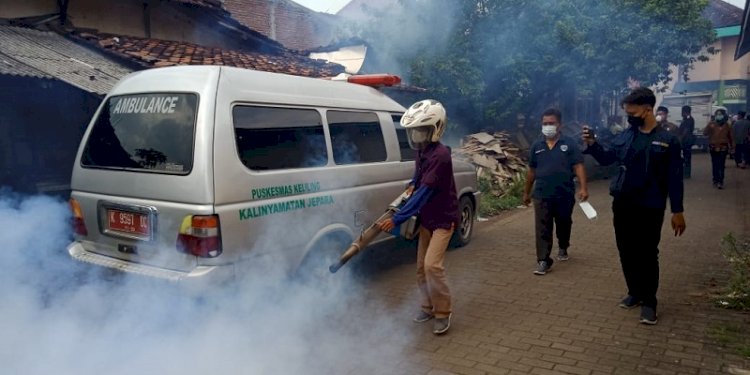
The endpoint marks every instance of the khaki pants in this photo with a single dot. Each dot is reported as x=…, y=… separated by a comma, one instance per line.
x=433, y=286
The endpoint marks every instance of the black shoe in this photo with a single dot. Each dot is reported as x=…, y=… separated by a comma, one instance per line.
x=720, y=185
x=630, y=302
x=543, y=267
x=562, y=255
x=441, y=325
x=648, y=315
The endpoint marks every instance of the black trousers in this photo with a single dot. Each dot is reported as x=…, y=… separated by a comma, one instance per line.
x=638, y=232
x=551, y=212
x=741, y=153
x=687, y=158
x=718, y=159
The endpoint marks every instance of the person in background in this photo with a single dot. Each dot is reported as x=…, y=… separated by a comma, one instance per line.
x=615, y=124
x=720, y=143
x=740, y=132
x=685, y=133
x=435, y=201
x=553, y=162
x=662, y=114
x=650, y=171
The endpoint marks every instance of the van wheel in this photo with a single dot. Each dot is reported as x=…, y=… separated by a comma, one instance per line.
x=313, y=271
x=462, y=235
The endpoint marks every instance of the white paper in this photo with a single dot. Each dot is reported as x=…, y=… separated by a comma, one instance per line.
x=588, y=210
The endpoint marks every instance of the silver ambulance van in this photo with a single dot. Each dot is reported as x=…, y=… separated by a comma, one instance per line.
x=195, y=172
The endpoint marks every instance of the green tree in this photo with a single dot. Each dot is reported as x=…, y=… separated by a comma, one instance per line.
x=489, y=60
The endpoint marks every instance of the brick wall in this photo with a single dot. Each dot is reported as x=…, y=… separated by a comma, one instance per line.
x=288, y=23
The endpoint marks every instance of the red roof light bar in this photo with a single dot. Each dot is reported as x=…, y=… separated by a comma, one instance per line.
x=375, y=80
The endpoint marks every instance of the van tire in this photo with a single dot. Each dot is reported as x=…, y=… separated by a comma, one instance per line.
x=462, y=235
x=313, y=270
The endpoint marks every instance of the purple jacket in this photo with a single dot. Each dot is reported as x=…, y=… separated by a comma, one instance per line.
x=434, y=169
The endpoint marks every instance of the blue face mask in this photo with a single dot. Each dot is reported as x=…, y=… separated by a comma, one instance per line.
x=720, y=118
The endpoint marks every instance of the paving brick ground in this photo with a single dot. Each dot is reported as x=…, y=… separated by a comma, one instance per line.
x=509, y=321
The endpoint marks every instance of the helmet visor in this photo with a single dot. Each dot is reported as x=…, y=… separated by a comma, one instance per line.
x=420, y=137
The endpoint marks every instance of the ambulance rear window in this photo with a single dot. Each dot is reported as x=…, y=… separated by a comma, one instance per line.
x=145, y=132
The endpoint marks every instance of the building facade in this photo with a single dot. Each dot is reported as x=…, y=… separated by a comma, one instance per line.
x=722, y=75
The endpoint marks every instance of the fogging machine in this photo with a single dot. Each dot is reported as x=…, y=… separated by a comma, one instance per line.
x=407, y=230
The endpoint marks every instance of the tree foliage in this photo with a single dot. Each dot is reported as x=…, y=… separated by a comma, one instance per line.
x=489, y=60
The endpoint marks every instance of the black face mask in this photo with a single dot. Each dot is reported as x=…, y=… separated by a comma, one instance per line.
x=636, y=121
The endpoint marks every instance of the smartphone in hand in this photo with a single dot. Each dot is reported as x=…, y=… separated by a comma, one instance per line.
x=588, y=135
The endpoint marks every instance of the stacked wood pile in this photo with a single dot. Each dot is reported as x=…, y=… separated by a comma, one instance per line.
x=496, y=158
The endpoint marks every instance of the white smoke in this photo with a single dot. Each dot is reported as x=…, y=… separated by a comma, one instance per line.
x=60, y=316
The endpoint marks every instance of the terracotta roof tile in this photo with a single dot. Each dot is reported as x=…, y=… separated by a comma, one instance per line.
x=159, y=53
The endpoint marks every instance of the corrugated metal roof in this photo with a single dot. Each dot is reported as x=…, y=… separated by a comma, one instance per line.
x=47, y=54
x=11, y=66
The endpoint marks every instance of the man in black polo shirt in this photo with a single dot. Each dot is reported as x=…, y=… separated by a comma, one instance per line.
x=553, y=162
x=650, y=170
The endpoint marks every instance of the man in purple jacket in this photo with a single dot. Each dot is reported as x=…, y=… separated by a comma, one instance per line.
x=435, y=201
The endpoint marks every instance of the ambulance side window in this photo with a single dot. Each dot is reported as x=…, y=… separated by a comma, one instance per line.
x=279, y=138
x=407, y=153
x=356, y=137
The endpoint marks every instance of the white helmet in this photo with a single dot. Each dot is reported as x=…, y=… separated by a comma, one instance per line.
x=424, y=122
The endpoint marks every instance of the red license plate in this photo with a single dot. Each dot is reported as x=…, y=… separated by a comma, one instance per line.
x=128, y=222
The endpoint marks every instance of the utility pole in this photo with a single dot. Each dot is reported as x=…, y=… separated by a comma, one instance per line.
x=62, y=6
x=147, y=18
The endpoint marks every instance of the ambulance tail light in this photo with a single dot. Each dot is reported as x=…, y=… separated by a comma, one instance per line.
x=79, y=226
x=200, y=236
x=375, y=80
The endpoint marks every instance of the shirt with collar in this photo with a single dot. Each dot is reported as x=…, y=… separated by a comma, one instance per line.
x=553, y=167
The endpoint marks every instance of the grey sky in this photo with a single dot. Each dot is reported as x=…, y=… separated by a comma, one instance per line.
x=327, y=6
x=737, y=3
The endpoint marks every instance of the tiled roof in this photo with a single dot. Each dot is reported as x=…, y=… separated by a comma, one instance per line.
x=722, y=14
x=285, y=21
x=44, y=54
x=158, y=53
